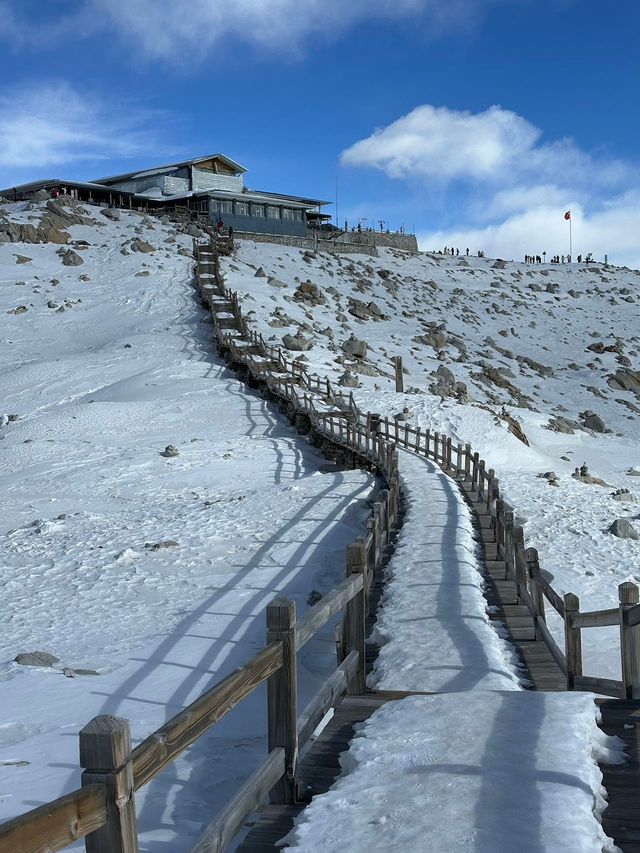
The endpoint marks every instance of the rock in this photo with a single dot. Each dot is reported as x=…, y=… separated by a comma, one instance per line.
x=499, y=264
x=594, y=422
x=20, y=309
x=634, y=471
x=71, y=259
x=170, y=451
x=309, y=293
x=192, y=230
x=625, y=380
x=435, y=338
x=404, y=415
x=22, y=259
x=165, y=543
x=111, y=213
x=142, y=273
x=623, y=496
x=354, y=347
x=623, y=529
x=348, y=380
x=314, y=597
x=297, y=342
x=359, y=309
x=445, y=376
x=139, y=245
x=260, y=273
x=36, y=659
x=41, y=195
x=72, y=671
x=563, y=425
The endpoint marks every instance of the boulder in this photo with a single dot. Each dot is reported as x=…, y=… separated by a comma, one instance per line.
x=498, y=264
x=354, y=347
x=348, y=380
x=139, y=245
x=623, y=529
x=36, y=659
x=71, y=258
x=112, y=213
x=297, y=342
x=594, y=422
x=170, y=451
x=260, y=273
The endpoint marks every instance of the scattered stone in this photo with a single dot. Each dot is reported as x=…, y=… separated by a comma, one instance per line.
x=22, y=259
x=314, y=597
x=139, y=245
x=354, y=347
x=71, y=258
x=297, y=342
x=348, y=380
x=20, y=309
x=158, y=546
x=592, y=421
x=404, y=415
x=260, y=273
x=71, y=672
x=142, y=273
x=111, y=213
x=623, y=529
x=623, y=495
x=498, y=264
x=36, y=659
x=170, y=451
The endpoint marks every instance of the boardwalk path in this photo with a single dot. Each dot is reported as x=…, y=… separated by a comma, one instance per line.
x=435, y=636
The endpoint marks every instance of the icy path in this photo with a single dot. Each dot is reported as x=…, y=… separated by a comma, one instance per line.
x=433, y=626
x=152, y=571
x=482, y=772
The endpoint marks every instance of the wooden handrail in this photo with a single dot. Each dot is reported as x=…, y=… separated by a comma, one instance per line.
x=327, y=607
x=57, y=824
x=171, y=739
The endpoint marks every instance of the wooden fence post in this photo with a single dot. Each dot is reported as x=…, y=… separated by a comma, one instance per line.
x=386, y=515
x=535, y=590
x=572, y=639
x=467, y=461
x=399, y=374
x=282, y=696
x=519, y=560
x=628, y=597
x=476, y=470
x=354, y=616
x=507, y=549
x=458, y=460
x=105, y=755
x=436, y=441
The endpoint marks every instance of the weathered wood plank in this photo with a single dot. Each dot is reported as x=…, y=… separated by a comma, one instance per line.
x=327, y=607
x=282, y=696
x=595, y=618
x=332, y=690
x=219, y=834
x=167, y=742
x=606, y=686
x=55, y=825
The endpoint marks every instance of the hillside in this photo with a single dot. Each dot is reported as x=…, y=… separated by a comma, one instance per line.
x=554, y=347
x=144, y=576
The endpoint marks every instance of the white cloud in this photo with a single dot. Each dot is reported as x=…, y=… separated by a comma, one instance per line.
x=53, y=124
x=442, y=145
x=184, y=30
x=510, y=187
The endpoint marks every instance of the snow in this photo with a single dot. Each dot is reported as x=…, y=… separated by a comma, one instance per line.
x=101, y=389
x=486, y=772
x=91, y=507
x=432, y=624
x=492, y=317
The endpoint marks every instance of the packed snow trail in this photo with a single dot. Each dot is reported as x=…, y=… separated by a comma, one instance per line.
x=433, y=626
x=153, y=572
x=479, y=772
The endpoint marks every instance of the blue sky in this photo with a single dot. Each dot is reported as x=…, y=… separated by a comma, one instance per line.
x=478, y=121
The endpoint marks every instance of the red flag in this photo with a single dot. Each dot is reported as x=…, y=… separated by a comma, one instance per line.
x=567, y=215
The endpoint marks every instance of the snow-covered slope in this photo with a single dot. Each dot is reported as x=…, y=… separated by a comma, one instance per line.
x=542, y=343
x=151, y=571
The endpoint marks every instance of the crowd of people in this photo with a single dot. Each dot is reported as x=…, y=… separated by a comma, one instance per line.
x=450, y=250
x=557, y=259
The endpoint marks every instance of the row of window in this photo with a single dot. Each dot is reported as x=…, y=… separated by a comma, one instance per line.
x=259, y=211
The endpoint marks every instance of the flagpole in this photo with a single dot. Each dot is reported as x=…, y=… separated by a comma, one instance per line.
x=570, y=241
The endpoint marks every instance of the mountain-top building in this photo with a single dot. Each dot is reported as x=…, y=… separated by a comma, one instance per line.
x=212, y=185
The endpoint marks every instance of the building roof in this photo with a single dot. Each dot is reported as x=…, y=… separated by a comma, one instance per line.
x=159, y=169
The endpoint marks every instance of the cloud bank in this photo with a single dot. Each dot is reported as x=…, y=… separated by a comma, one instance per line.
x=184, y=30
x=508, y=184
x=54, y=124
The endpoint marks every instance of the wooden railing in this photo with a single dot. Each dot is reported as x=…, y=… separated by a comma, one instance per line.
x=369, y=430
x=103, y=811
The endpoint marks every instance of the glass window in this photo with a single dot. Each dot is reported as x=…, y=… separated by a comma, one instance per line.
x=258, y=209
x=242, y=208
x=287, y=214
x=226, y=207
x=273, y=212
